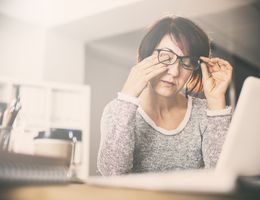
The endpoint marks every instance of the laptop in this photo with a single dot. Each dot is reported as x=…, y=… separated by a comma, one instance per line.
x=240, y=156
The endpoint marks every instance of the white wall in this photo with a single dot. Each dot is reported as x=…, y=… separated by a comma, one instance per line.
x=50, y=13
x=64, y=59
x=30, y=52
x=21, y=50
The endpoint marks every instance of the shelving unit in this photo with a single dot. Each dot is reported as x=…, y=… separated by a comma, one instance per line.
x=48, y=105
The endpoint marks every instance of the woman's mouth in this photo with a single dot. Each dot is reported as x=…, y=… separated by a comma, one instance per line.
x=168, y=83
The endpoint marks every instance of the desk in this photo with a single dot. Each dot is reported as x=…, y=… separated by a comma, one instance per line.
x=85, y=192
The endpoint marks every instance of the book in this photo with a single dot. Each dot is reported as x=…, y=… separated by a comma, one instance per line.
x=20, y=169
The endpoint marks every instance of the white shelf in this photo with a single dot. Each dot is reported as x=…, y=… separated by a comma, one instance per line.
x=47, y=104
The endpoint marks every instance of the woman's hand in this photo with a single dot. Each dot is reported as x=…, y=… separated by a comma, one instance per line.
x=141, y=74
x=216, y=77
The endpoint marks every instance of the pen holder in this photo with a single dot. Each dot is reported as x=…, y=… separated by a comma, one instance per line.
x=5, y=135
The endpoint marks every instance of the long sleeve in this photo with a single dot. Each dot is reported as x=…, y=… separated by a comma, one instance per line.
x=116, y=149
x=215, y=125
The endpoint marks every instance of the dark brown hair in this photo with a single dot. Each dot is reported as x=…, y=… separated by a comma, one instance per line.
x=189, y=36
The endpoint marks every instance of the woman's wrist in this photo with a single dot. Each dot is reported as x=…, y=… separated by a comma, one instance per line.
x=223, y=112
x=129, y=93
x=216, y=103
x=128, y=98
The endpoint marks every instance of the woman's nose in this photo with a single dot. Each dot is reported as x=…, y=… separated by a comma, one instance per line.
x=174, y=69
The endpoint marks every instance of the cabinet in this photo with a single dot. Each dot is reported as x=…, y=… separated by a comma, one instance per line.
x=46, y=105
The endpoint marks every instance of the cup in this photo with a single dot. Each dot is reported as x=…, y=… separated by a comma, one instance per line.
x=5, y=135
x=58, y=143
x=53, y=148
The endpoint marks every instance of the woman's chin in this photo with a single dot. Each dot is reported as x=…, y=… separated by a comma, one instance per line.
x=165, y=92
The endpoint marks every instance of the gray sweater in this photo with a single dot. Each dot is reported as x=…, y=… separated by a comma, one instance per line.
x=132, y=143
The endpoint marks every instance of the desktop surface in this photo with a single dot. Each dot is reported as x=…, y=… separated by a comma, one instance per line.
x=83, y=191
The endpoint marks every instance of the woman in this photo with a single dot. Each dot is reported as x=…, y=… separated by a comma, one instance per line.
x=153, y=126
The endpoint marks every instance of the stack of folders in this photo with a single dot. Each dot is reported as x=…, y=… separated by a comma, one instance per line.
x=17, y=169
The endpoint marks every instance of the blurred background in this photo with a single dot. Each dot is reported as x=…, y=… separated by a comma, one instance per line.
x=94, y=44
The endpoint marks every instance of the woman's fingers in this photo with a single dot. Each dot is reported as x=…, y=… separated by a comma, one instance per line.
x=152, y=60
x=205, y=73
x=221, y=76
x=225, y=64
x=217, y=64
x=154, y=67
x=141, y=73
x=147, y=61
x=212, y=65
x=216, y=68
x=155, y=73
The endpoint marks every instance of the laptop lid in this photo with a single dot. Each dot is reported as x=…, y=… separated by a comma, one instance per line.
x=241, y=150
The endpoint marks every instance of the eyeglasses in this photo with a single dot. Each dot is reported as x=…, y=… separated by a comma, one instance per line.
x=169, y=57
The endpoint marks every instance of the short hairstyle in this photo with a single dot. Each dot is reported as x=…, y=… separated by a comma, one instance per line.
x=189, y=36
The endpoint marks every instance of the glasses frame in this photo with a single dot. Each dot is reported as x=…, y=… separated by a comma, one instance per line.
x=180, y=58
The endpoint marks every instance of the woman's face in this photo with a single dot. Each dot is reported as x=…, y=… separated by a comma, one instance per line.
x=172, y=80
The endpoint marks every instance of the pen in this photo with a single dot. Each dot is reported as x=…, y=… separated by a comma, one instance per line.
x=3, y=107
x=11, y=113
x=14, y=114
